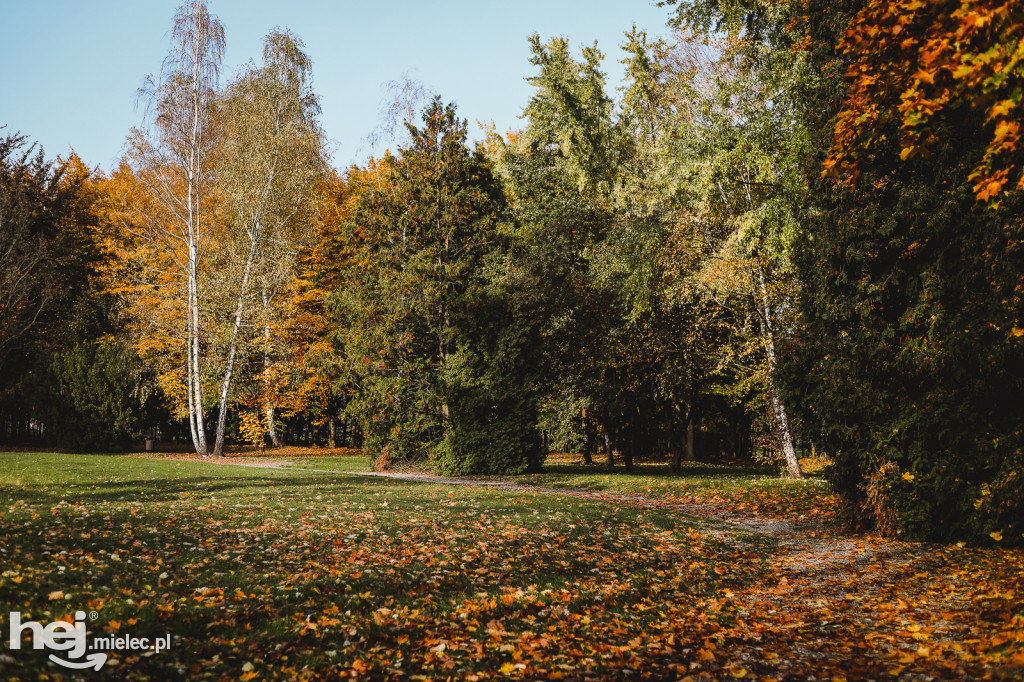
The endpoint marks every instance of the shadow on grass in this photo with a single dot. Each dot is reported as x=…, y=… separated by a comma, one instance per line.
x=695, y=470
x=163, y=489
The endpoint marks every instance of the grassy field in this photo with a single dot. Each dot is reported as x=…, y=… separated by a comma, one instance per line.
x=316, y=572
x=742, y=489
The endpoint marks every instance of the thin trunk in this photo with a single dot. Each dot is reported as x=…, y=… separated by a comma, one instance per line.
x=225, y=390
x=691, y=450
x=195, y=377
x=674, y=443
x=332, y=440
x=782, y=419
x=188, y=377
x=275, y=441
x=631, y=449
x=609, y=449
x=194, y=182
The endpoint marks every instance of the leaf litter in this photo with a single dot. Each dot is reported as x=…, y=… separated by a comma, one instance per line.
x=303, y=575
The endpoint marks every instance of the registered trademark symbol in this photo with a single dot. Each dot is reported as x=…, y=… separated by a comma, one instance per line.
x=93, y=615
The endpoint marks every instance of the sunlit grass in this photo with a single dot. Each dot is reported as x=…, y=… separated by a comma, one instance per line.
x=289, y=570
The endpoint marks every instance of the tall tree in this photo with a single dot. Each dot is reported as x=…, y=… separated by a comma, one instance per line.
x=47, y=258
x=913, y=268
x=571, y=112
x=661, y=341
x=171, y=160
x=34, y=200
x=268, y=168
x=419, y=310
x=733, y=155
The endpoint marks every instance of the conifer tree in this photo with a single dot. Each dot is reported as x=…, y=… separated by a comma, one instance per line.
x=421, y=312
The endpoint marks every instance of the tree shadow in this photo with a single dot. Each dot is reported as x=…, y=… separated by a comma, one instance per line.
x=690, y=470
x=161, y=489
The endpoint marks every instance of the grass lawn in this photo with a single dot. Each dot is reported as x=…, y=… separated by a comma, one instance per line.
x=279, y=573
x=284, y=573
x=744, y=489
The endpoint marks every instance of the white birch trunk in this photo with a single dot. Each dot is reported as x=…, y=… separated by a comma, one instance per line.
x=229, y=367
x=781, y=417
x=195, y=376
x=275, y=440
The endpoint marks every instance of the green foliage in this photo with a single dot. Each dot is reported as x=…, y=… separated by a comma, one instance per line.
x=96, y=396
x=421, y=310
x=570, y=112
x=907, y=366
x=46, y=254
x=910, y=305
x=489, y=383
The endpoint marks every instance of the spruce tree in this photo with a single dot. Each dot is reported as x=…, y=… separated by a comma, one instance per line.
x=443, y=376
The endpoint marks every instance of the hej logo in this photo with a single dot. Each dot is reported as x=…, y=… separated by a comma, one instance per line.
x=60, y=636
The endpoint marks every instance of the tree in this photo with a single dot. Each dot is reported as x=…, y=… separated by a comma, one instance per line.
x=665, y=342
x=912, y=272
x=404, y=98
x=570, y=112
x=48, y=301
x=171, y=162
x=419, y=310
x=95, y=396
x=321, y=377
x=28, y=186
x=268, y=167
x=732, y=153
x=930, y=65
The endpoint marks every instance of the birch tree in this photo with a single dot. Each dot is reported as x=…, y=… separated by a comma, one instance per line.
x=170, y=156
x=269, y=164
x=731, y=154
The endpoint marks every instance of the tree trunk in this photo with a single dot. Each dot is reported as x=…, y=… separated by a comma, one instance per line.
x=782, y=419
x=332, y=440
x=609, y=449
x=225, y=390
x=632, y=444
x=194, y=181
x=691, y=449
x=675, y=447
x=195, y=375
x=275, y=441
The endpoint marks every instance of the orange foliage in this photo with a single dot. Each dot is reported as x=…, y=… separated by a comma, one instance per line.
x=915, y=62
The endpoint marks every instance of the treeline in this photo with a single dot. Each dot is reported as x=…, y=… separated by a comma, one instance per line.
x=795, y=226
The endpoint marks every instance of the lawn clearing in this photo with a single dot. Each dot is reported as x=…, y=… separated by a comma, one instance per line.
x=277, y=573
x=749, y=490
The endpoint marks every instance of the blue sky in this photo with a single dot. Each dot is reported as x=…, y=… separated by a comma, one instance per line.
x=69, y=69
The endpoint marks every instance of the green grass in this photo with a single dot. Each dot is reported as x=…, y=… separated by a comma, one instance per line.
x=754, y=490
x=335, y=464
x=306, y=573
